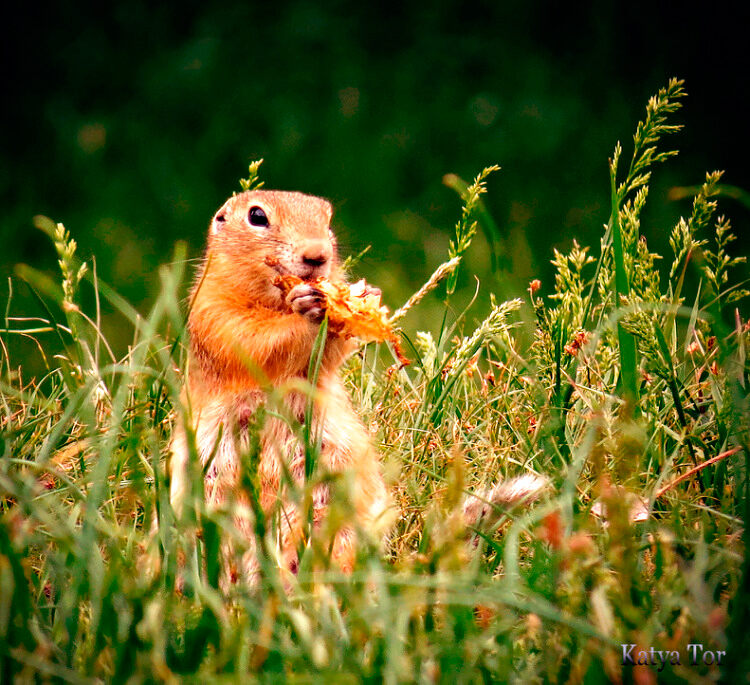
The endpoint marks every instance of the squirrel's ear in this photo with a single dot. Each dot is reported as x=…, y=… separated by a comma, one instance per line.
x=218, y=223
x=219, y=220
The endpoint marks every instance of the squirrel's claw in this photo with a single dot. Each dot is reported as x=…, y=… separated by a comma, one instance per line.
x=308, y=301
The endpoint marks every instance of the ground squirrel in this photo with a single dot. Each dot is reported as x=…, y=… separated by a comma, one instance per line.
x=246, y=334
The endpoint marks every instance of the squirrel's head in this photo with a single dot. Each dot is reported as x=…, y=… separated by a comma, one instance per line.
x=259, y=234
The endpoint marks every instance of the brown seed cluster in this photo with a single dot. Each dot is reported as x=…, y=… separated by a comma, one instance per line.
x=579, y=340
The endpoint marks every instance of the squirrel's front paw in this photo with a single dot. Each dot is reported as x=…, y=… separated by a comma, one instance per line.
x=308, y=301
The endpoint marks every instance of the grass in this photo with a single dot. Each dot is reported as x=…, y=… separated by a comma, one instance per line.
x=630, y=398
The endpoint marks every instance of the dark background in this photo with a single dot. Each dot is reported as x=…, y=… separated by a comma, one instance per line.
x=132, y=123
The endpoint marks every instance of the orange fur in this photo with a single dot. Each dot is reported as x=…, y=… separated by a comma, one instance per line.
x=245, y=334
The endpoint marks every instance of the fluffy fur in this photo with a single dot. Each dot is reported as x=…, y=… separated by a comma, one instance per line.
x=245, y=336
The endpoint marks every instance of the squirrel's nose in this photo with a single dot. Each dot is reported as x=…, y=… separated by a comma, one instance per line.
x=316, y=254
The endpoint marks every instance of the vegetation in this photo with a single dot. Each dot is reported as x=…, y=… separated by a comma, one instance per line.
x=630, y=398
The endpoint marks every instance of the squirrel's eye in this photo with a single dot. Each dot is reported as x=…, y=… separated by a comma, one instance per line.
x=257, y=217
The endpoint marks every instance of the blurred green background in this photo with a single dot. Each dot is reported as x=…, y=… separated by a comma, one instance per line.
x=131, y=123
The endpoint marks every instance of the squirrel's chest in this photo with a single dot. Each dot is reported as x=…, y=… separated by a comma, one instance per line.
x=230, y=427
